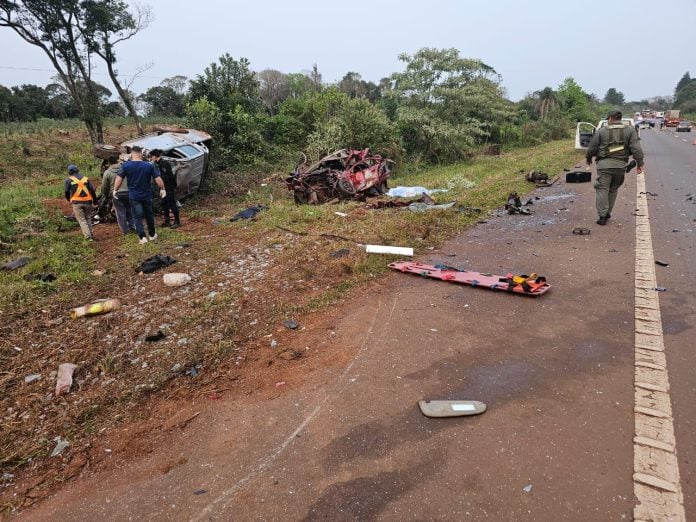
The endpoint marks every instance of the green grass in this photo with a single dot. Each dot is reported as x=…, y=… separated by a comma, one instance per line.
x=28, y=228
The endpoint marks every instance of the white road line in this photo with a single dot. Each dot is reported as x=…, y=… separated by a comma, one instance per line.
x=656, y=481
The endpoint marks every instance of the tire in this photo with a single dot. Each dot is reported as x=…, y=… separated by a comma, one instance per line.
x=104, y=151
x=169, y=128
x=345, y=188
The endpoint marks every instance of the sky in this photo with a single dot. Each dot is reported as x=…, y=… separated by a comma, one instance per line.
x=635, y=46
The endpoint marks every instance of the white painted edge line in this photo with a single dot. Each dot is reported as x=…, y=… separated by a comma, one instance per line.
x=656, y=480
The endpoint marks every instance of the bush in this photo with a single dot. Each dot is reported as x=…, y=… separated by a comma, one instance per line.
x=357, y=124
x=238, y=138
x=428, y=138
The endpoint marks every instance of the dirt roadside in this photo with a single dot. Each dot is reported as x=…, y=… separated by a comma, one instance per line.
x=347, y=441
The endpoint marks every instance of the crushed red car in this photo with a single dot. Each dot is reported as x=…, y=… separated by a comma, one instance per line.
x=345, y=174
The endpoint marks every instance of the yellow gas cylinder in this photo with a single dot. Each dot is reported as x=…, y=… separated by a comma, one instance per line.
x=102, y=306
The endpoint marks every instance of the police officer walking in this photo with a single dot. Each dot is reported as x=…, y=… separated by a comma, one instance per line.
x=611, y=146
x=83, y=199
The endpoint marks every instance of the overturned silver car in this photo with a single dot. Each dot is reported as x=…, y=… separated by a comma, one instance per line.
x=187, y=150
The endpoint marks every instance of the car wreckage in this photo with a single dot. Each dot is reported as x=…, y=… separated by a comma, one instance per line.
x=344, y=174
x=187, y=150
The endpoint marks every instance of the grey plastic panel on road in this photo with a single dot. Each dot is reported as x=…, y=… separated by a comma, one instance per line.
x=451, y=408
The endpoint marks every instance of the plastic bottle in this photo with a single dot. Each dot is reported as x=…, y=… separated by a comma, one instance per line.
x=103, y=306
x=176, y=279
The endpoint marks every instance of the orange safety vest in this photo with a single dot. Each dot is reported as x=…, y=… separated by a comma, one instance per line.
x=81, y=193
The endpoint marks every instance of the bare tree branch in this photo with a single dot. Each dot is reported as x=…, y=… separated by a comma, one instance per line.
x=138, y=71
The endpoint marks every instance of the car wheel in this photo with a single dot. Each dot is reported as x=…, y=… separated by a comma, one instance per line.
x=345, y=188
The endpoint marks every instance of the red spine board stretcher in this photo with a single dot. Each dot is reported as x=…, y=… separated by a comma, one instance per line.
x=534, y=287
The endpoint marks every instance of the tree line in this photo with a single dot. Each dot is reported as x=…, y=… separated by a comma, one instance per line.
x=440, y=107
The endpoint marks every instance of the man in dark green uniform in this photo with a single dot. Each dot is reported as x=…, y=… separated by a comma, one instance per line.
x=169, y=201
x=612, y=145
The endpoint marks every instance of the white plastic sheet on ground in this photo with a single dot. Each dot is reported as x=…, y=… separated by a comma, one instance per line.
x=411, y=192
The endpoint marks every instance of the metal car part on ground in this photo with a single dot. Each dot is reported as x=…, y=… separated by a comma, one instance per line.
x=449, y=408
x=187, y=150
x=537, y=176
x=513, y=205
x=344, y=174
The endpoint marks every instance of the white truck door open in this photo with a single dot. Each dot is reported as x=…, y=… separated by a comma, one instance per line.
x=583, y=134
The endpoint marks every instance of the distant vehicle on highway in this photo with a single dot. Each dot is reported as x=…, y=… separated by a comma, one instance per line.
x=684, y=126
x=672, y=118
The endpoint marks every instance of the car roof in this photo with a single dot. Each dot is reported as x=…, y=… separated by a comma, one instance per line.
x=167, y=140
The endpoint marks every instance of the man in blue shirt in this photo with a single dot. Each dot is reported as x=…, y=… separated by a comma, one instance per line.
x=140, y=175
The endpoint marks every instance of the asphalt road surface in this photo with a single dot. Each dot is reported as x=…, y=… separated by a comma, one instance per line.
x=556, y=372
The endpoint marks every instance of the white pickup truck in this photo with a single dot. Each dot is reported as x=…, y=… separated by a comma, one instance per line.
x=584, y=131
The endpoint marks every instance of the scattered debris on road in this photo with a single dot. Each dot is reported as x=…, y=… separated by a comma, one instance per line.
x=579, y=176
x=412, y=192
x=151, y=264
x=65, y=378
x=581, y=231
x=527, y=488
x=291, y=324
x=248, y=213
x=15, y=264
x=661, y=263
x=176, y=279
x=43, y=278
x=448, y=408
x=536, y=176
x=513, y=205
x=153, y=338
x=61, y=444
x=383, y=249
x=660, y=289
x=101, y=306
x=424, y=207
x=31, y=378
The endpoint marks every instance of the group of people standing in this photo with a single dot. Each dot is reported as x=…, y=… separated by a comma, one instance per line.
x=129, y=187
